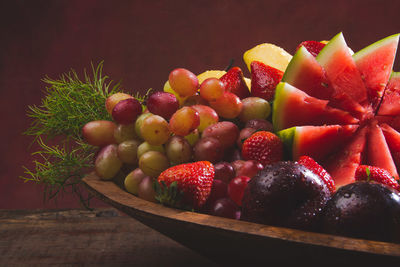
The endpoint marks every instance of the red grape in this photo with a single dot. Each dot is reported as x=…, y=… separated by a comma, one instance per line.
x=236, y=188
x=184, y=121
x=260, y=125
x=224, y=171
x=126, y=111
x=183, y=82
x=249, y=168
x=225, y=131
x=225, y=207
x=211, y=89
x=113, y=99
x=207, y=115
x=219, y=190
x=146, y=190
x=163, y=104
x=208, y=148
x=99, y=133
x=228, y=105
x=243, y=135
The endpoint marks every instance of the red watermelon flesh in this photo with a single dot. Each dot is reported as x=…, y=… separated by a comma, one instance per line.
x=305, y=73
x=296, y=108
x=393, y=121
x=343, y=164
x=344, y=77
x=391, y=100
x=318, y=142
x=376, y=75
x=353, y=90
x=378, y=153
x=392, y=138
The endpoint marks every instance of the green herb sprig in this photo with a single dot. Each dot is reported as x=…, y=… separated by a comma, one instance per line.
x=69, y=103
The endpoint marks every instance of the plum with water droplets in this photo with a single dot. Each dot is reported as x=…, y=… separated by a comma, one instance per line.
x=285, y=194
x=364, y=210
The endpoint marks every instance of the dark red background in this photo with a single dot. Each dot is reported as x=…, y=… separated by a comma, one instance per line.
x=140, y=42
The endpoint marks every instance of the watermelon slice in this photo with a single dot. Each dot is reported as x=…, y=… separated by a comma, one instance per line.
x=305, y=73
x=378, y=152
x=363, y=108
x=341, y=69
x=293, y=107
x=376, y=75
x=342, y=165
x=392, y=138
x=391, y=100
x=316, y=142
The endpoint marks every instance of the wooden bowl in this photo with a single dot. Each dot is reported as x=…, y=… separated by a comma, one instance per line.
x=232, y=242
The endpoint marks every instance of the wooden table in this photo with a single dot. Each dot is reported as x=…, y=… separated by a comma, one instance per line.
x=103, y=237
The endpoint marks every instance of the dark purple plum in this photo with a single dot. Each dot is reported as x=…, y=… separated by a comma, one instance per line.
x=285, y=194
x=364, y=210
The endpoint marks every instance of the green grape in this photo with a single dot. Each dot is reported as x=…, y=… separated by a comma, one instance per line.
x=132, y=181
x=139, y=122
x=155, y=130
x=152, y=163
x=125, y=132
x=127, y=151
x=254, y=108
x=178, y=150
x=144, y=147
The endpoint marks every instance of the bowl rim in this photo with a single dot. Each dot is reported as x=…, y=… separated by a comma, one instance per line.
x=112, y=194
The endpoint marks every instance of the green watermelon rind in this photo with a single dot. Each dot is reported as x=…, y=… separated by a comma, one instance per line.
x=324, y=55
x=279, y=102
x=367, y=50
x=395, y=75
x=295, y=64
x=287, y=137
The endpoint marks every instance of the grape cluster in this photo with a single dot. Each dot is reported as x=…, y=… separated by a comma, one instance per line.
x=189, y=121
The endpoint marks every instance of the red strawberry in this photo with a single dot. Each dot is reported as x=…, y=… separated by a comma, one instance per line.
x=264, y=147
x=234, y=82
x=191, y=181
x=314, y=47
x=264, y=80
x=313, y=166
x=379, y=175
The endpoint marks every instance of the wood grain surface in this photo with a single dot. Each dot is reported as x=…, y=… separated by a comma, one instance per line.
x=103, y=237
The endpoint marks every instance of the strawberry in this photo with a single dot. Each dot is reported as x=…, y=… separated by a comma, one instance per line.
x=379, y=175
x=313, y=166
x=234, y=82
x=185, y=185
x=264, y=147
x=264, y=80
x=314, y=47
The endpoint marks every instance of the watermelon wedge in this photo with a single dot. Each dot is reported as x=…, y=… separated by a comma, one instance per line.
x=293, y=107
x=343, y=164
x=392, y=138
x=390, y=105
x=316, y=142
x=378, y=152
x=305, y=73
x=344, y=76
x=357, y=122
x=376, y=75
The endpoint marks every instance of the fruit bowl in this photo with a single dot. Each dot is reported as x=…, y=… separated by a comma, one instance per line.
x=233, y=242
